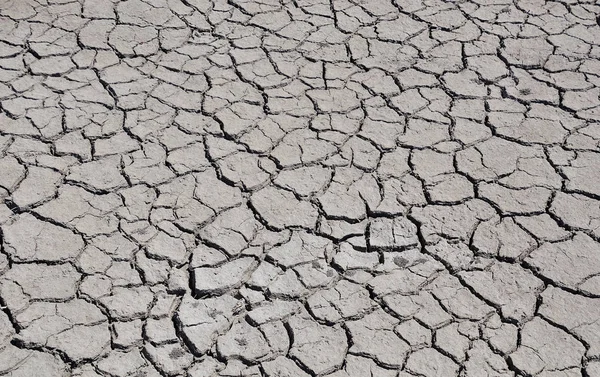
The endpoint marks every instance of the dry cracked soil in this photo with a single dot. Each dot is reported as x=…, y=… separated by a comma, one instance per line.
x=299, y=188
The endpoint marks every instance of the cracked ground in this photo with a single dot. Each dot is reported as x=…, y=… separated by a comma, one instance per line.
x=299, y=188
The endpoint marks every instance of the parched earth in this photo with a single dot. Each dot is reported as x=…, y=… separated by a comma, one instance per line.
x=299, y=188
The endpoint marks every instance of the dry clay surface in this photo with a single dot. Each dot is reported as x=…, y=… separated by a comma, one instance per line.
x=299, y=188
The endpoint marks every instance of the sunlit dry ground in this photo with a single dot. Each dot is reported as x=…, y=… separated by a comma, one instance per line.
x=345, y=188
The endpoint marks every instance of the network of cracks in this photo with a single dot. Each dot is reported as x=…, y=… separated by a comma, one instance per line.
x=299, y=188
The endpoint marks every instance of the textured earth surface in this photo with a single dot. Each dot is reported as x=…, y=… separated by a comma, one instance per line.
x=299, y=188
